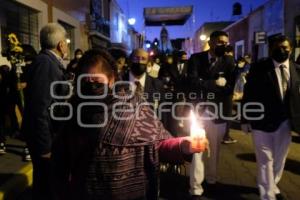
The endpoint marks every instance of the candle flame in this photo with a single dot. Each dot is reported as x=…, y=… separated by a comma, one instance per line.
x=196, y=129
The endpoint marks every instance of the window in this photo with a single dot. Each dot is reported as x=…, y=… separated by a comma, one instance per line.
x=21, y=20
x=70, y=35
x=239, y=49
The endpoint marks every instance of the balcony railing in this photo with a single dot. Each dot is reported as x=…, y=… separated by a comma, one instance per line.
x=99, y=24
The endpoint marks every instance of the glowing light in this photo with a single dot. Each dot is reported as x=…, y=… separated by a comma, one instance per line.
x=203, y=37
x=148, y=45
x=68, y=41
x=196, y=130
x=131, y=21
x=151, y=53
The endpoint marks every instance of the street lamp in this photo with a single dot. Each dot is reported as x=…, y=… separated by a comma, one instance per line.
x=131, y=21
x=148, y=45
x=203, y=37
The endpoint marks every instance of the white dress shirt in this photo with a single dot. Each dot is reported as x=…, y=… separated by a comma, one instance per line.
x=278, y=73
x=180, y=67
x=142, y=80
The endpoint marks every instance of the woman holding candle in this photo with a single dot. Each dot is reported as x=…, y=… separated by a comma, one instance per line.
x=119, y=160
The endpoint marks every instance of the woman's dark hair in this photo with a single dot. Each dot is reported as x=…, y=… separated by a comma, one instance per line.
x=95, y=56
x=78, y=51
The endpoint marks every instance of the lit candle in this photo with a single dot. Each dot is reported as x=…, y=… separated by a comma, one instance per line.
x=197, y=133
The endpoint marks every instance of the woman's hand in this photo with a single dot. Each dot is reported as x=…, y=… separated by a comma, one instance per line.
x=190, y=145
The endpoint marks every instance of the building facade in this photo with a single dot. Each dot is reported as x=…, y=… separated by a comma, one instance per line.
x=238, y=36
x=275, y=17
x=98, y=23
x=25, y=18
x=201, y=36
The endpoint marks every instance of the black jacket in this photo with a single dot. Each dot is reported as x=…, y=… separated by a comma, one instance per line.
x=37, y=126
x=202, y=77
x=262, y=87
x=153, y=88
x=177, y=79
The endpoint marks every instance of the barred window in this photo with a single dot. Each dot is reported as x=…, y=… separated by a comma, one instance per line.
x=21, y=20
x=70, y=35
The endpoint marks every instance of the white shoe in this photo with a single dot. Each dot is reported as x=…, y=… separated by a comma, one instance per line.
x=2, y=149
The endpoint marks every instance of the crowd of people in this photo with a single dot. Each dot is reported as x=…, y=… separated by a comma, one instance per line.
x=100, y=127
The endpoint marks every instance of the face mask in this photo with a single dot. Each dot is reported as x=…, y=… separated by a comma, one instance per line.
x=220, y=50
x=280, y=55
x=138, y=69
x=241, y=65
x=93, y=88
x=78, y=56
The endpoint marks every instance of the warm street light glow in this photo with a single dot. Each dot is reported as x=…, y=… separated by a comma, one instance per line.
x=203, y=37
x=131, y=21
x=68, y=41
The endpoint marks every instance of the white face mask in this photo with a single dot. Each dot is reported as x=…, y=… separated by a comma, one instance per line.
x=241, y=65
x=78, y=56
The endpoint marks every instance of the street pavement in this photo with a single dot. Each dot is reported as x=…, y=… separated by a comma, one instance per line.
x=237, y=173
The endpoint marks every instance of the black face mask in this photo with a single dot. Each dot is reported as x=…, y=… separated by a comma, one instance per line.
x=280, y=55
x=93, y=88
x=220, y=50
x=138, y=69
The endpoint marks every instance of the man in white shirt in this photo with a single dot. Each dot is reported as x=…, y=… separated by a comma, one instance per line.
x=274, y=83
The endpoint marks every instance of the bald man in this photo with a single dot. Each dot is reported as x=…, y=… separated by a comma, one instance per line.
x=149, y=87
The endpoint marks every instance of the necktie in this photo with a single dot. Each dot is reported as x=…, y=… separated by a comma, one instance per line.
x=180, y=66
x=284, y=79
x=212, y=64
x=212, y=61
x=138, y=89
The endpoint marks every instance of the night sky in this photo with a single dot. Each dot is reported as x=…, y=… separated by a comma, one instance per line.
x=204, y=11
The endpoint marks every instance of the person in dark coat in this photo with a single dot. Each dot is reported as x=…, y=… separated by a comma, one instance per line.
x=211, y=75
x=4, y=102
x=71, y=68
x=273, y=84
x=174, y=78
x=120, y=57
x=37, y=127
